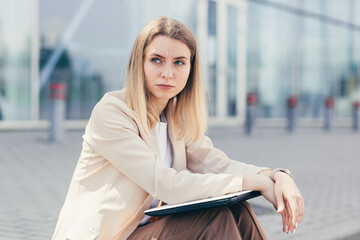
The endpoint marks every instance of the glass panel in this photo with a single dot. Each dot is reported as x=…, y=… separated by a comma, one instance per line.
x=231, y=60
x=314, y=87
x=343, y=58
x=270, y=58
x=95, y=59
x=212, y=56
x=290, y=52
x=15, y=50
x=355, y=66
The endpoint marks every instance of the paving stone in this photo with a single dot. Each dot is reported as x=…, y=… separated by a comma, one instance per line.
x=35, y=175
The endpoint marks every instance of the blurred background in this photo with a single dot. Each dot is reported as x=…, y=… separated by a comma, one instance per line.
x=277, y=48
x=284, y=64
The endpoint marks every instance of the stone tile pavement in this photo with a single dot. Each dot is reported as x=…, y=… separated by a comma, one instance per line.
x=325, y=167
x=35, y=174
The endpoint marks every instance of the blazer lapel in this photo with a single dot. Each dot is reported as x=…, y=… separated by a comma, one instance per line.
x=178, y=146
x=153, y=142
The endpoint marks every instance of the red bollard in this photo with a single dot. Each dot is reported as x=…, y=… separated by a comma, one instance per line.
x=356, y=115
x=251, y=105
x=291, y=103
x=329, y=108
x=58, y=91
x=252, y=99
x=330, y=102
x=57, y=116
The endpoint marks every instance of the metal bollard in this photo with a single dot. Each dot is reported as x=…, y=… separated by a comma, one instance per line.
x=251, y=105
x=329, y=112
x=57, y=116
x=291, y=103
x=356, y=115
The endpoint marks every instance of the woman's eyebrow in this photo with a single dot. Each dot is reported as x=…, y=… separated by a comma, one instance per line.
x=160, y=56
x=182, y=57
x=156, y=55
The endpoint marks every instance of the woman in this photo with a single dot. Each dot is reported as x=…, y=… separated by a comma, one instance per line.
x=146, y=143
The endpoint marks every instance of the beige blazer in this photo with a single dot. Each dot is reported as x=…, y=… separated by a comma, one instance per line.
x=119, y=172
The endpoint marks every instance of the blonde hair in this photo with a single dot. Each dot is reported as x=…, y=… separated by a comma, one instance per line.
x=187, y=110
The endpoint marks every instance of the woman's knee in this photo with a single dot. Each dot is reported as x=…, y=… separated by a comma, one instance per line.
x=223, y=224
x=223, y=212
x=242, y=208
x=247, y=222
x=217, y=214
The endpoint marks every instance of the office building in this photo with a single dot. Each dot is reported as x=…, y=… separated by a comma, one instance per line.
x=274, y=48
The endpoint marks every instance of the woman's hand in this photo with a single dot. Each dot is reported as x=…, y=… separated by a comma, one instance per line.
x=289, y=202
x=283, y=194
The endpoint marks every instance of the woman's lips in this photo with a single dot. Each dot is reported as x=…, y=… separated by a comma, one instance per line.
x=165, y=86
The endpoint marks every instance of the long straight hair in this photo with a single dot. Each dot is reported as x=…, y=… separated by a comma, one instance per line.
x=188, y=108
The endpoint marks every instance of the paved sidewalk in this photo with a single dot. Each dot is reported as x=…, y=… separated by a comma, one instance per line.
x=34, y=177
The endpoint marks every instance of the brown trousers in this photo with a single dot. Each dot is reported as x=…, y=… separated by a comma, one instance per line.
x=237, y=222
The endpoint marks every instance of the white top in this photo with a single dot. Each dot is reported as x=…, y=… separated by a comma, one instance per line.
x=163, y=141
x=165, y=154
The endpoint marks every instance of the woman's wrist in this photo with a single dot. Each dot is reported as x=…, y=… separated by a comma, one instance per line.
x=256, y=182
x=265, y=172
x=280, y=175
x=277, y=173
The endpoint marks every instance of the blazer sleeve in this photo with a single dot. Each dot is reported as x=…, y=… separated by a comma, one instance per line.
x=203, y=157
x=115, y=135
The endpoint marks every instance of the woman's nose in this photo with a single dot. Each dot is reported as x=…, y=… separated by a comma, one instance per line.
x=167, y=71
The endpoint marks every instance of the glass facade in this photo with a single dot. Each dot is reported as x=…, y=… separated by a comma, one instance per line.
x=307, y=48
x=212, y=56
x=101, y=35
x=15, y=60
x=301, y=47
x=232, y=59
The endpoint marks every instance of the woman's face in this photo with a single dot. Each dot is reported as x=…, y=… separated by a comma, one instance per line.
x=167, y=67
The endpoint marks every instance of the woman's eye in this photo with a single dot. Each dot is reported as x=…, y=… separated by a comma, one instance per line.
x=155, y=60
x=179, y=63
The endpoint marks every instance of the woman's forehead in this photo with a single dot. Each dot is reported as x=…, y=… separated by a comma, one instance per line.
x=168, y=47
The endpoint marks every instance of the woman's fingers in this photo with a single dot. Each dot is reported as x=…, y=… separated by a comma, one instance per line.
x=295, y=216
x=298, y=208
x=293, y=212
x=286, y=215
x=287, y=219
x=289, y=203
x=302, y=209
x=279, y=201
x=295, y=206
x=283, y=215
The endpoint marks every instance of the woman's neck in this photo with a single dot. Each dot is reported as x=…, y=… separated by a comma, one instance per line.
x=159, y=106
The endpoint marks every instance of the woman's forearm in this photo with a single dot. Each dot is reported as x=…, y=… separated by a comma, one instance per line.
x=256, y=182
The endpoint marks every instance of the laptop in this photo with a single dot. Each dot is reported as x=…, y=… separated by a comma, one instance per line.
x=224, y=200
